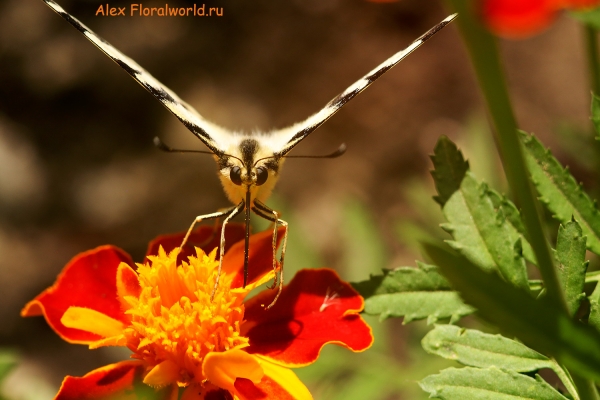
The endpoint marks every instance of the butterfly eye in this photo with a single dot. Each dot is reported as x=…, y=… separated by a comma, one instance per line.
x=261, y=175
x=235, y=174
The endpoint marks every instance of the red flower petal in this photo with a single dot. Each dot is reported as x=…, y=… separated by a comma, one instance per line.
x=116, y=381
x=205, y=391
x=277, y=383
x=266, y=389
x=206, y=238
x=127, y=283
x=316, y=308
x=260, y=257
x=88, y=280
x=518, y=18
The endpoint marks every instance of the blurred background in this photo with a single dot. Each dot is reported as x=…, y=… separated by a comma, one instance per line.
x=78, y=168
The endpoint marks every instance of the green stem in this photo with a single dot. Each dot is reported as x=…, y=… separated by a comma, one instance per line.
x=591, y=39
x=565, y=378
x=577, y=387
x=486, y=61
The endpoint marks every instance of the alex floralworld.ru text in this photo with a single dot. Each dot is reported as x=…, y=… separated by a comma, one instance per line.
x=138, y=10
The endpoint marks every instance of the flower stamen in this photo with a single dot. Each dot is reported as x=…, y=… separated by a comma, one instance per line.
x=174, y=323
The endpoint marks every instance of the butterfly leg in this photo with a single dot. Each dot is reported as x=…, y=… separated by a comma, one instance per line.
x=267, y=213
x=204, y=217
x=213, y=233
x=273, y=218
x=232, y=213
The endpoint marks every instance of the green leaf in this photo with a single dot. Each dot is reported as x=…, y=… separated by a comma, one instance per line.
x=560, y=192
x=539, y=324
x=513, y=217
x=477, y=349
x=594, y=318
x=482, y=233
x=449, y=169
x=412, y=293
x=490, y=383
x=570, y=257
x=595, y=99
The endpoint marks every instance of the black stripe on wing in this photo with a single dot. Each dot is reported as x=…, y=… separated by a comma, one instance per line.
x=183, y=111
x=303, y=129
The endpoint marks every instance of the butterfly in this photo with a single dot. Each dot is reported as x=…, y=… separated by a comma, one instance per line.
x=248, y=164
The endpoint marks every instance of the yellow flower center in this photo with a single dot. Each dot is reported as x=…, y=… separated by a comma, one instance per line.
x=174, y=322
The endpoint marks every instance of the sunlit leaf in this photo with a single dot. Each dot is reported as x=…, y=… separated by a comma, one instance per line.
x=412, y=293
x=570, y=257
x=537, y=323
x=482, y=233
x=490, y=383
x=560, y=192
x=513, y=217
x=477, y=349
x=449, y=169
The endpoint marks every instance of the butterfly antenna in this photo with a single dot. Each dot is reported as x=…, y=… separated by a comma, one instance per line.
x=167, y=149
x=337, y=153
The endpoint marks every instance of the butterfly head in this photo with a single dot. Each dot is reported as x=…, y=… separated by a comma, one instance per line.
x=248, y=166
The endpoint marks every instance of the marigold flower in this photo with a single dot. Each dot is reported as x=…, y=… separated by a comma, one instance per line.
x=217, y=349
x=522, y=18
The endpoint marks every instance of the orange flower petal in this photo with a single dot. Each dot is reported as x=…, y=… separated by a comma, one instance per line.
x=222, y=368
x=206, y=238
x=91, y=321
x=120, y=340
x=316, y=308
x=121, y=380
x=518, y=18
x=165, y=373
x=278, y=383
x=88, y=280
x=260, y=257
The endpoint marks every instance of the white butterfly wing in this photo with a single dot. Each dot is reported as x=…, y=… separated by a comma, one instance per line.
x=286, y=139
x=216, y=140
